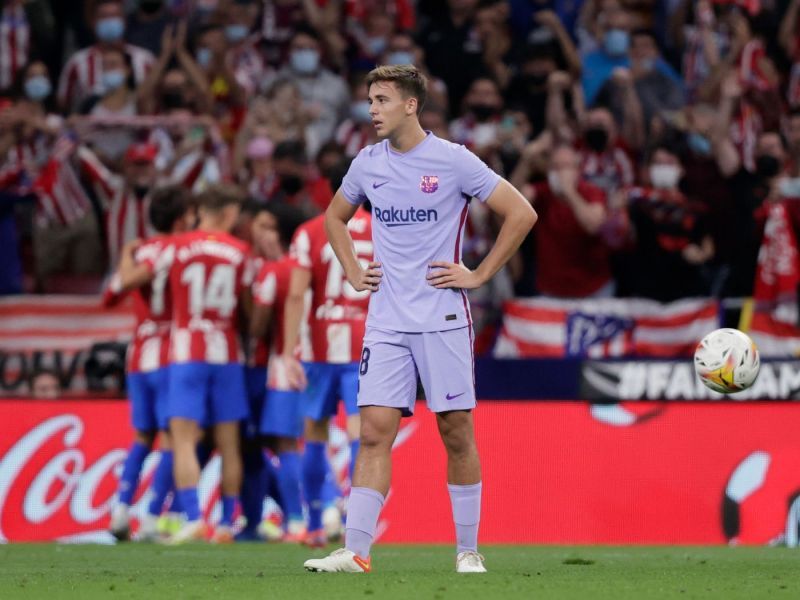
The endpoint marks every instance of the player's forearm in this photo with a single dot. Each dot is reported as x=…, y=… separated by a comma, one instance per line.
x=515, y=228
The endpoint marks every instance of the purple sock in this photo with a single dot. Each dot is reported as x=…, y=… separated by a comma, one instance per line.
x=363, y=509
x=466, y=501
x=190, y=503
x=130, y=472
x=228, y=508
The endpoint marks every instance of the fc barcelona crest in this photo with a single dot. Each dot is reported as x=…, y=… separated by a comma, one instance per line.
x=429, y=183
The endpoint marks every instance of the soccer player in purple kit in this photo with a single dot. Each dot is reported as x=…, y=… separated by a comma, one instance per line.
x=419, y=319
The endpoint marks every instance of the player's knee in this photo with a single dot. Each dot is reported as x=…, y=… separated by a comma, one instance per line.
x=459, y=441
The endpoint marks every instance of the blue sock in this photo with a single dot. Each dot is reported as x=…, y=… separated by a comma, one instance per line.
x=175, y=506
x=162, y=483
x=271, y=482
x=253, y=487
x=130, y=472
x=330, y=490
x=228, y=508
x=190, y=503
x=354, y=446
x=315, y=466
x=289, y=484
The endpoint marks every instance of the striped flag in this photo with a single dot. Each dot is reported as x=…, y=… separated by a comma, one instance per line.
x=56, y=328
x=604, y=328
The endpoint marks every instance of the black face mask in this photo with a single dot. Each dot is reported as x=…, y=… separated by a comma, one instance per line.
x=150, y=7
x=767, y=166
x=291, y=184
x=482, y=112
x=536, y=80
x=141, y=190
x=172, y=100
x=596, y=138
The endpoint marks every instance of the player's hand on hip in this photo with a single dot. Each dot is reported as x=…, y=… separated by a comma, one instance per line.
x=443, y=275
x=367, y=279
x=295, y=373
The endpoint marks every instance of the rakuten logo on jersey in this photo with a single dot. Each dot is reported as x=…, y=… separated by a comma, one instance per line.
x=397, y=217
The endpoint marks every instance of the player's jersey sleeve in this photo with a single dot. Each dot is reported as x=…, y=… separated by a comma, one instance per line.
x=148, y=255
x=353, y=182
x=300, y=250
x=265, y=289
x=475, y=178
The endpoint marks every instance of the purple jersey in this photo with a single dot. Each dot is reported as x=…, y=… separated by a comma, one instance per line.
x=419, y=208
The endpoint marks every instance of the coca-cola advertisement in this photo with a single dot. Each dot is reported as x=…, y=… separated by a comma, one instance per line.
x=554, y=472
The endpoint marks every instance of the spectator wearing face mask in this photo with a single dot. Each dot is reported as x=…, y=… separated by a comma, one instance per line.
x=598, y=65
x=146, y=25
x=324, y=93
x=258, y=174
x=183, y=87
x=371, y=37
x=357, y=130
x=26, y=26
x=124, y=198
x=605, y=160
x=118, y=100
x=478, y=125
x=82, y=76
x=244, y=54
x=645, y=87
x=39, y=124
x=402, y=50
x=572, y=259
x=748, y=189
x=670, y=241
x=295, y=177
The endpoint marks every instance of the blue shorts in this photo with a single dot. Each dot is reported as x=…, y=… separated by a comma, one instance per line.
x=327, y=384
x=148, y=395
x=283, y=414
x=207, y=394
x=256, y=382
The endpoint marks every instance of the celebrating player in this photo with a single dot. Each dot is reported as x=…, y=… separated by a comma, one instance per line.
x=281, y=421
x=336, y=322
x=144, y=267
x=209, y=281
x=419, y=320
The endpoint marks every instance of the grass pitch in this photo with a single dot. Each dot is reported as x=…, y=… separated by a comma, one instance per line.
x=404, y=572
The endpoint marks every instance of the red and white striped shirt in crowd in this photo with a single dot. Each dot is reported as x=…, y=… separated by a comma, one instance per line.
x=126, y=215
x=149, y=349
x=353, y=137
x=209, y=272
x=15, y=44
x=82, y=75
x=744, y=132
x=609, y=170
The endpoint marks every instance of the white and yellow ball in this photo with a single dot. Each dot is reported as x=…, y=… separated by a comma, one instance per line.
x=727, y=361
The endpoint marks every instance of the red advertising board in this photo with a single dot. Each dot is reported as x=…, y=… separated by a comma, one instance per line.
x=554, y=472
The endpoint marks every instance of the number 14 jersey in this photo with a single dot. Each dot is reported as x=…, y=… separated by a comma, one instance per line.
x=338, y=312
x=209, y=272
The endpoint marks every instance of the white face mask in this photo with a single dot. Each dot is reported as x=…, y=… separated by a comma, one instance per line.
x=554, y=181
x=790, y=187
x=665, y=176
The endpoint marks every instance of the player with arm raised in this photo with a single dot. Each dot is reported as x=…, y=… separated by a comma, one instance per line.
x=419, y=320
x=209, y=281
x=144, y=268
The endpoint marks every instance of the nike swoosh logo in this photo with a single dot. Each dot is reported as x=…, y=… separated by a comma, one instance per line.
x=376, y=185
x=449, y=397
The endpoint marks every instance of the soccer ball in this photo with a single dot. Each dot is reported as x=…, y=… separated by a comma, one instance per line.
x=727, y=361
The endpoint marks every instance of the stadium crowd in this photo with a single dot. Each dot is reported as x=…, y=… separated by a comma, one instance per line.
x=652, y=136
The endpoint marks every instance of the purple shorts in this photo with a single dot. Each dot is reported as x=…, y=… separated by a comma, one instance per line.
x=391, y=360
